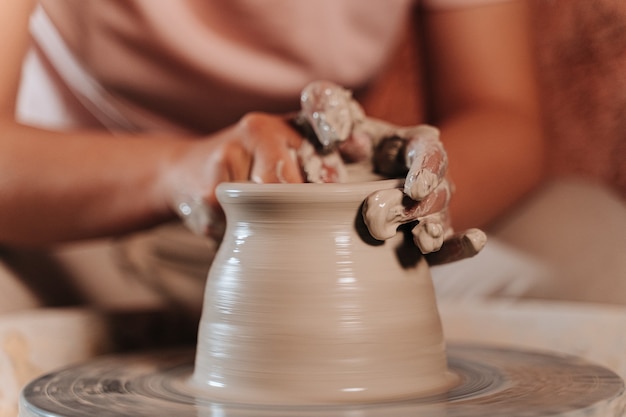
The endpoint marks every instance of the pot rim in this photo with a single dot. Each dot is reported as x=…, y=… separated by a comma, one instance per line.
x=244, y=192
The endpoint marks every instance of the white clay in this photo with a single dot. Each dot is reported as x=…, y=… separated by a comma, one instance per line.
x=302, y=306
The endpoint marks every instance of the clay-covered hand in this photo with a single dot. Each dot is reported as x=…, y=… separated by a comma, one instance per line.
x=326, y=119
x=262, y=148
x=337, y=125
x=424, y=200
x=426, y=192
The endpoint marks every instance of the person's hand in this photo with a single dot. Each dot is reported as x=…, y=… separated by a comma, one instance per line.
x=339, y=126
x=420, y=151
x=424, y=199
x=262, y=148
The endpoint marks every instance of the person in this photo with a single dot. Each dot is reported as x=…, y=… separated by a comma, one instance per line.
x=112, y=110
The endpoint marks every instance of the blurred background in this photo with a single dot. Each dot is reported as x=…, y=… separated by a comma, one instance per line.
x=581, y=69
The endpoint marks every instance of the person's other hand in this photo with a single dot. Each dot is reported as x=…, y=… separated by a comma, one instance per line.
x=262, y=148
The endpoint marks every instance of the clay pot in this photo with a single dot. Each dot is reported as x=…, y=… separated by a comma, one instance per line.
x=303, y=306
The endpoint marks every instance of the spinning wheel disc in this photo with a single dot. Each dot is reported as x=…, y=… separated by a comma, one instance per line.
x=494, y=382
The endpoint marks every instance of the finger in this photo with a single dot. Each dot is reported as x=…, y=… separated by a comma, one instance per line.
x=459, y=246
x=272, y=144
x=427, y=162
x=324, y=165
x=385, y=210
x=431, y=231
x=274, y=162
x=318, y=168
x=435, y=202
x=428, y=234
x=327, y=108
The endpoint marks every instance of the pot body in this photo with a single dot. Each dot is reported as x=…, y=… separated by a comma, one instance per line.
x=303, y=306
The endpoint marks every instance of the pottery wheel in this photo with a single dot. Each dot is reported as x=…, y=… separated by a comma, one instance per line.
x=494, y=382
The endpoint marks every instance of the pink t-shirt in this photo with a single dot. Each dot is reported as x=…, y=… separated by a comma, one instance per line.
x=200, y=65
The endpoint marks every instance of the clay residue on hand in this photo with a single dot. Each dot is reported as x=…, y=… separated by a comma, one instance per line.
x=320, y=168
x=338, y=131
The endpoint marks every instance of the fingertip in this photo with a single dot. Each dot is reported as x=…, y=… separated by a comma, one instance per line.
x=428, y=236
x=476, y=238
x=421, y=183
x=378, y=213
x=291, y=174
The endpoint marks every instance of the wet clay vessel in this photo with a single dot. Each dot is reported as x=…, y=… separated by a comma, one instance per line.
x=303, y=306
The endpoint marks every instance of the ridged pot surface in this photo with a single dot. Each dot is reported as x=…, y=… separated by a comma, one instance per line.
x=302, y=306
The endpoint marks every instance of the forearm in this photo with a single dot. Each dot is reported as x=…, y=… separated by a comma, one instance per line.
x=65, y=186
x=485, y=101
x=496, y=156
